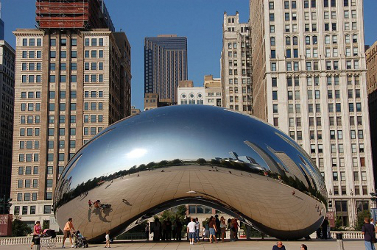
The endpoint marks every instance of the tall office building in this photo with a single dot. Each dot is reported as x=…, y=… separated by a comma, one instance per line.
x=371, y=60
x=72, y=80
x=236, y=65
x=309, y=79
x=1, y=25
x=165, y=64
x=7, y=59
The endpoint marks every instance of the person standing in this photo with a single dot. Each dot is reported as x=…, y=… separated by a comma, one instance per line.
x=369, y=233
x=178, y=225
x=146, y=230
x=36, y=234
x=212, y=229
x=325, y=223
x=218, y=233
x=222, y=228
x=164, y=230
x=230, y=227
x=107, y=238
x=235, y=229
x=191, y=231
x=68, y=229
x=303, y=247
x=197, y=230
x=168, y=229
x=279, y=246
x=156, y=230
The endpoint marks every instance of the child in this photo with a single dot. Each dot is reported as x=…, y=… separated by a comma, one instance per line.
x=107, y=237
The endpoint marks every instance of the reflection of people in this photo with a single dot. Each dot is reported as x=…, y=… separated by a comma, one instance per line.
x=97, y=204
x=68, y=229
x=369, y=233
x=36, y=234
x=107, y=238
x=279, y=246
x=191, y=231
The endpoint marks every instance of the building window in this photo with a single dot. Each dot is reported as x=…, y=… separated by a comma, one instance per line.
x=47, y=209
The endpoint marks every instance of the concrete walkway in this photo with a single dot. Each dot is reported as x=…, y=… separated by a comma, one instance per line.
x=239, y=245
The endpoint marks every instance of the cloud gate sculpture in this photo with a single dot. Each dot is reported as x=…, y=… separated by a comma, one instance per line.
x=191, y=154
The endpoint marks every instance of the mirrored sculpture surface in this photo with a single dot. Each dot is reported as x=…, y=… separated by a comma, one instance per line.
x=191, y=155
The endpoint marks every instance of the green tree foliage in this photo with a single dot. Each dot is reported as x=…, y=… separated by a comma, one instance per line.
x=201, y=161
x=20, y=228
x=46, y=224
x=360, y=219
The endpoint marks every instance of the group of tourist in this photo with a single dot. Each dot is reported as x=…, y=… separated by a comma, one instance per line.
x=214, y=230
x=166, y=230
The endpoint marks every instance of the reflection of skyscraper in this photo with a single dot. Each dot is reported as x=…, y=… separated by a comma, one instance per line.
x=293, y=169
x=234, y=155
x=165, y=64
x=270, y=162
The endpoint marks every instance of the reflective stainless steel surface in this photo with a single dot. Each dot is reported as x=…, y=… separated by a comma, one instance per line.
x=192, y=154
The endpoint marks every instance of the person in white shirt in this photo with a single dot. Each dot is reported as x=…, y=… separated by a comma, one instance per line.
x=191, y=231
x=107, y=238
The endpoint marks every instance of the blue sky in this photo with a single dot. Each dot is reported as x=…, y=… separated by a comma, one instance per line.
x=199, y=20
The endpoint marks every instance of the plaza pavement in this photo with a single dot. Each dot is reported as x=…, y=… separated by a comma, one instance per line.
x=239, y=245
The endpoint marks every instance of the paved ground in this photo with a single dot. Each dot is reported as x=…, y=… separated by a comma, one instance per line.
x=240, y=245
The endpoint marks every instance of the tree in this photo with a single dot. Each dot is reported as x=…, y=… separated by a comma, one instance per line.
x=201, y=161
x=20, y=228
x=46, y=224
x=360, y=219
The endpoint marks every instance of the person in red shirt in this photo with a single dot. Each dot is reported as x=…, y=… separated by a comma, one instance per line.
x=37, y=231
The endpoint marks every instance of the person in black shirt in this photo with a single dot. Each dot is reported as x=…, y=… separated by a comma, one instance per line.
x=369, y=234
x=279, y=246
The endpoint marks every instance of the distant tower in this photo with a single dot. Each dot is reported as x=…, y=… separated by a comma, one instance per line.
x=1, y=25
x=165, y=64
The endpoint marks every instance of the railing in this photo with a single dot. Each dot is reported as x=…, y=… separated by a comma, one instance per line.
x=24, y=240
x=348, y=234
x=138, y=236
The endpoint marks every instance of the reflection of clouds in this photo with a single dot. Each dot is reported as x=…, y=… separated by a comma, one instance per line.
x=136, y=153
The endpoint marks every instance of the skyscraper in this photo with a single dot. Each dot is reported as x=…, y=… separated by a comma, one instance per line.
x=371, y=60
x=165, y=64
x=236, y=65
x=7, y=59
x=72, y=80
x=309, y=79
x=1, y=25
